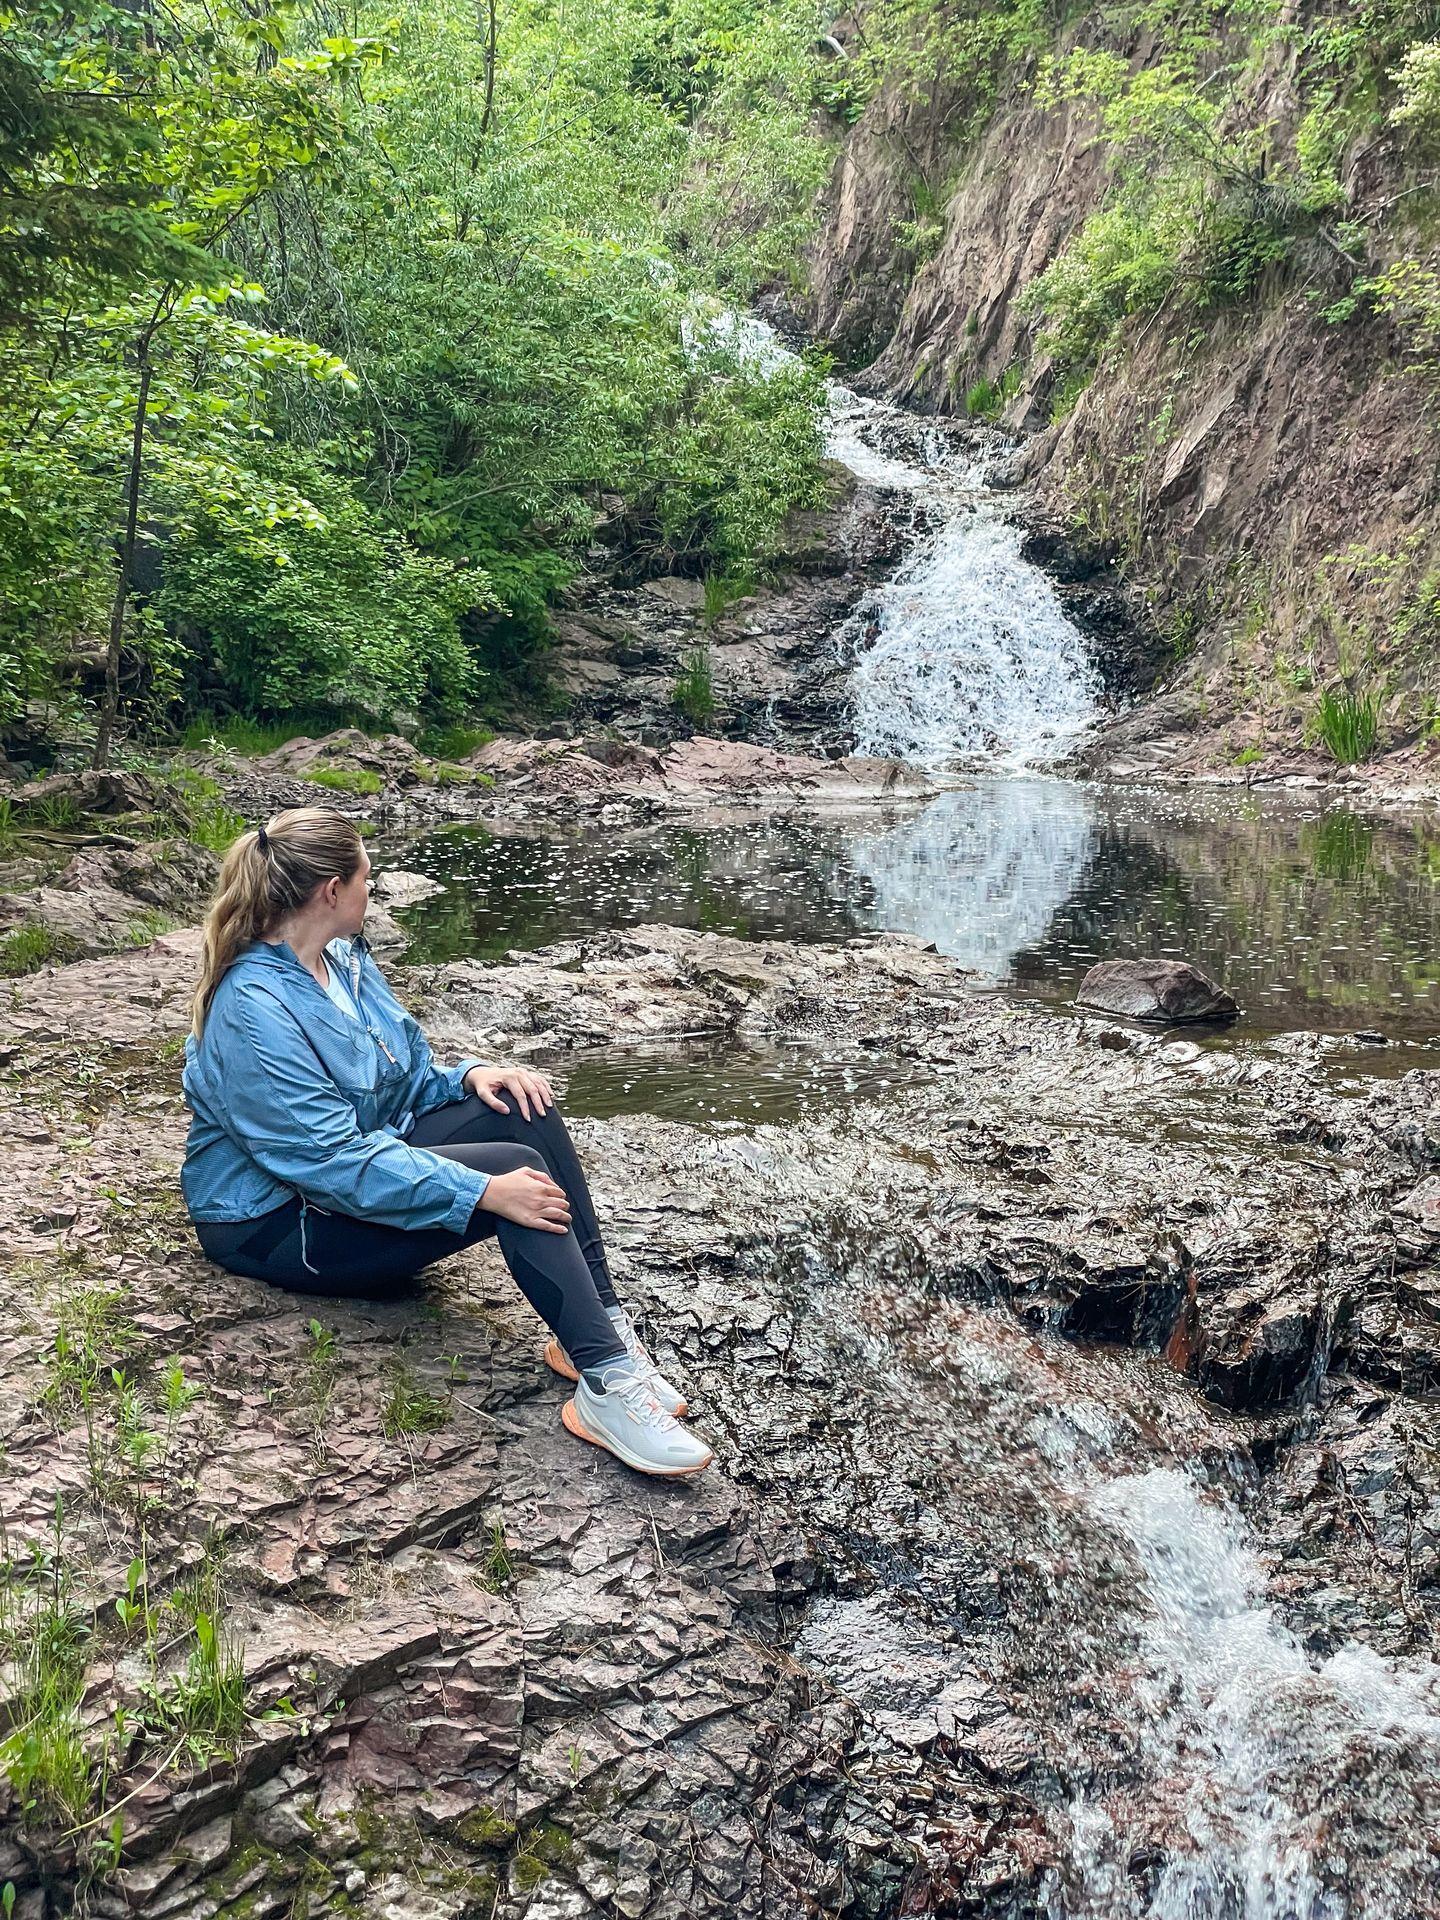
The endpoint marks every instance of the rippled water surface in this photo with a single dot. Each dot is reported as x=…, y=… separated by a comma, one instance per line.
x=1313, y=916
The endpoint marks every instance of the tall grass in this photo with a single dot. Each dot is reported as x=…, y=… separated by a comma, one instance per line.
x=1348, y=725
x=695, y=689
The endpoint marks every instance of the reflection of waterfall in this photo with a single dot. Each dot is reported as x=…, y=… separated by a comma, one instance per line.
x=1246, y=1739
x=981, y=872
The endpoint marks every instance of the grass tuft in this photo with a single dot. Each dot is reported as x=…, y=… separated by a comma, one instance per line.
x=1348, y=725
x=694, y=691
x=347, y=779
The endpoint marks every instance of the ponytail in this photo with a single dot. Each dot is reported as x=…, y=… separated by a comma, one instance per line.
x=265, y=875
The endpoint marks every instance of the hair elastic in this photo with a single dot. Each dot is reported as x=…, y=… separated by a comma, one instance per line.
x=262, y=840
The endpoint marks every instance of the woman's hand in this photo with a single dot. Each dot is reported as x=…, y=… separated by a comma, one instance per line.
x=529, y=1198
x=527, y=1088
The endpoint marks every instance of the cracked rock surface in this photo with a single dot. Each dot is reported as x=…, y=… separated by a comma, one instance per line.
x=940, y=1340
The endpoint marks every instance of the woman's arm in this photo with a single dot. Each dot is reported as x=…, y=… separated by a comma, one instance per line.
x=288, y=1114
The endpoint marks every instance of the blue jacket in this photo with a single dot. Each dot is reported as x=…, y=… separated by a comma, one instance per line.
x=291, y=1095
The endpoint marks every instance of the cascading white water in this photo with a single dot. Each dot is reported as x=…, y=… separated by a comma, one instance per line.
x=974, y=659
x=967, y=653
x=1251, y=1741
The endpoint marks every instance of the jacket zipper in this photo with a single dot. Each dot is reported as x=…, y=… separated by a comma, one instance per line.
x=355, y=952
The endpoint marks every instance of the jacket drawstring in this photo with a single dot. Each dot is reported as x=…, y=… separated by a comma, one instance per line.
x=304, y=1256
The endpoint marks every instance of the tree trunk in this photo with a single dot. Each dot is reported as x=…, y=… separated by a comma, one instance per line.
x=111, y=705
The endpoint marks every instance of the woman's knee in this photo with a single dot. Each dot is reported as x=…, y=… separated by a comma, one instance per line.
x=496, y=1156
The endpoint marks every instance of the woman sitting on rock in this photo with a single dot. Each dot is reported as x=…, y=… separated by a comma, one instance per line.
x=328, y=1152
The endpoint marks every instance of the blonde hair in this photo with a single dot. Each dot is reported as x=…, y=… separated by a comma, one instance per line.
x=265, y=875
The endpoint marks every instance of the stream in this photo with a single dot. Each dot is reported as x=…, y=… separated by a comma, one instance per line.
x=1195, y=1755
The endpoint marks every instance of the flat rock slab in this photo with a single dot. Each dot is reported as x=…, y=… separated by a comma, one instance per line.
x=1162, y=990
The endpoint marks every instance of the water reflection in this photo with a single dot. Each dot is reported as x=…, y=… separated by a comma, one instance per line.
x=1313, y=917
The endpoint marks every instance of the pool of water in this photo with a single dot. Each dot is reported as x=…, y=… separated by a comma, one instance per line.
x=716, y=1082
x=1314, y=916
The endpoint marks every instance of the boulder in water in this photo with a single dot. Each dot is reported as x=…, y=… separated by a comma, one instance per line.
x=1161, y=990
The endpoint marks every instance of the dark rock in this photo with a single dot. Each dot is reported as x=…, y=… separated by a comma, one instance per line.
x=1165, y=991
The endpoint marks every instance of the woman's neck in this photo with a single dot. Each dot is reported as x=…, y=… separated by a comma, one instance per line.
x=306, y=941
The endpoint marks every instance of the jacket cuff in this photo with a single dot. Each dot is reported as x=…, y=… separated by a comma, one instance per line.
x=467, y=1198
x=456, y=1078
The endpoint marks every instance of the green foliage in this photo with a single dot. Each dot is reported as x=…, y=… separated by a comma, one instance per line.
x=354, y=618
x=347, y=779
x=27, y=949
x=410, y=1407
x=43, y=1644
x=484, y=274
x=986, y=399
x=694, y=689
x=1347, y=724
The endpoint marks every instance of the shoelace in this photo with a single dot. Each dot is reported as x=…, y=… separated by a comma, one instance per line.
x=640, y=1400
x=637, y=1353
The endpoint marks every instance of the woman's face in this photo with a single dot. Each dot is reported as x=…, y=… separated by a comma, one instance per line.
x=349, y=900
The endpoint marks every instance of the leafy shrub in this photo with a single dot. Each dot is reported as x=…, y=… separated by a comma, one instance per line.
x=355, y=619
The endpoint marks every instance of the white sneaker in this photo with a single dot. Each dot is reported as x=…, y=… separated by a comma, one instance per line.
x=670, y=1397
x=628, y=1421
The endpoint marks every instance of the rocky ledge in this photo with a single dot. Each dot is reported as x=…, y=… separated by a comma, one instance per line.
x=489, y=1672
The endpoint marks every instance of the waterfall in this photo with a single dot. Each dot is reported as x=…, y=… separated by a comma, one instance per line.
x=966, y=655
x=1250, y=1740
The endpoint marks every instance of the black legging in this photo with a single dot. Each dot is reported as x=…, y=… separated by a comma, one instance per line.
x=564, y=1276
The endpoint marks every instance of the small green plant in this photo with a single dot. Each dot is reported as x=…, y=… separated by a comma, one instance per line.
x=214, y=825
x=409, y=1407
x=1249, y=756
x=347, y=779
x=987, y=398
x=1348, y=725
x=146, y=927
x=322, y=1372
x=8, y=836
x=27, y=949
x=201, y=1709
x=53, y=813
x=694, y=689
x=722, y=590
x=454, y=743
x=497, y=1569
x=44, y=1636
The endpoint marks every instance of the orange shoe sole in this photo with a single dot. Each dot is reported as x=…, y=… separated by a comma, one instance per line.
x=555, y=1359
x=573, y=1425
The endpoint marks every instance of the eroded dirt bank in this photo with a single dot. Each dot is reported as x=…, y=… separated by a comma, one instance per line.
x=865, y=1664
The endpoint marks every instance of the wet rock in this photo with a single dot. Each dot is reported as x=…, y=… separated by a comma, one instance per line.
x=571, y=774
x=174, y=875
x=1167, y=991
x=846, y=1656
x=1257, y=1346
x=394, y=887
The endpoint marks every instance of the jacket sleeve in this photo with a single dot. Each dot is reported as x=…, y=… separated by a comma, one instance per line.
x=290, y=1117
